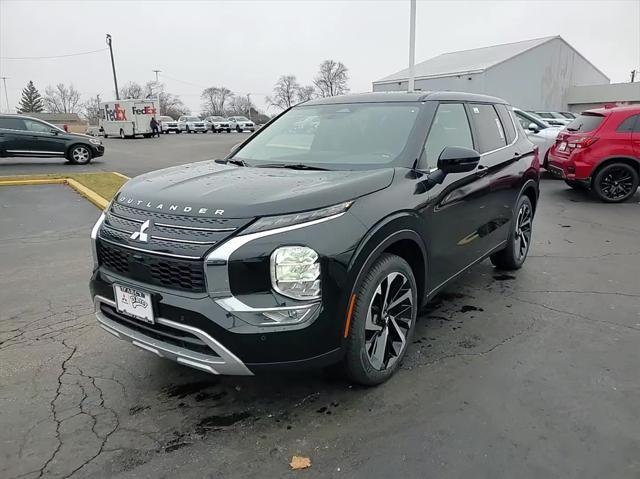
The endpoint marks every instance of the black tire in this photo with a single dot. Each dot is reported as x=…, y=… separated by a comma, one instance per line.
x=364, y=341
x=576, y=185
x=545, y=161
x=188, y=130
x=122, y=135
x=615, y=183
x=228, y=130
x=515, y=253
x=238, y=129
x=79, y=154
x=178, y=131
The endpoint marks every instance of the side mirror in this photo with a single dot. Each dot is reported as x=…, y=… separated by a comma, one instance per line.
x=455, y=159
x=533, y=127
x=55, y=131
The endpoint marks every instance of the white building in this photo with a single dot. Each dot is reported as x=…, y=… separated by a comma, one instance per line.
x=537, y=74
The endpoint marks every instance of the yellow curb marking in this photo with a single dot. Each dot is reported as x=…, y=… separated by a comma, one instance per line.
x=85, y=192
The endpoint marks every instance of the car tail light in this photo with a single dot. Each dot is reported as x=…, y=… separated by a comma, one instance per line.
x=584, y=142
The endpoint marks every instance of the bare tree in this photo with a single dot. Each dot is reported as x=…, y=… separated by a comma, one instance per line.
x=332, y=79
x=132, y=90
x=62, y=99
x=91, y=111
x=239, y=105
x=305, y=93
x=214, y=100
x=284, y=92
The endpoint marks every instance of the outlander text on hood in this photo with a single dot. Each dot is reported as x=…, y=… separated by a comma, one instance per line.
x=317, y=240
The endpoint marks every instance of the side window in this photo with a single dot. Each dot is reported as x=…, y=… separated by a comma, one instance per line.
x=524, y=122
x=36, y=126
x=507, y=122
x=12, y=123
x=489, y=127
x=630, y=124
x=450, y=127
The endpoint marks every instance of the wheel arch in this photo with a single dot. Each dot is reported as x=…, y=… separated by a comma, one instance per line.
x=531, y=190
x=397, y=234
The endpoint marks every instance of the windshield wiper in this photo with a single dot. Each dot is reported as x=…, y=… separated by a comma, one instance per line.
x=292, y=166
x=233, y=162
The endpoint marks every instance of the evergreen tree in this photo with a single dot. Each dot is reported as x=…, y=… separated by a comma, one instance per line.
x=31, y=101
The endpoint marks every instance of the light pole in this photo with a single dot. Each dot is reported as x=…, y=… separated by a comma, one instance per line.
x=113, y=66
x=412, y=45
x=249, y=101
x=6, y=97
x=157, y=88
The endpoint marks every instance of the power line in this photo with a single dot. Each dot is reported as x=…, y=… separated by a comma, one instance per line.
x=54, y=56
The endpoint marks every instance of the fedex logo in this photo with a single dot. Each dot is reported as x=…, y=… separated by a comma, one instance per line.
x=115, y=114
x=147, y=110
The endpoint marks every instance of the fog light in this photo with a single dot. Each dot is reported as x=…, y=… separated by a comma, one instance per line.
x=295, y=272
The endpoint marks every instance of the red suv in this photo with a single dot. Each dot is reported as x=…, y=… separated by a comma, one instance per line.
x=600, y=150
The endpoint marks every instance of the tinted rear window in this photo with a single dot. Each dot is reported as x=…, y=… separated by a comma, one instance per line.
x=585, y=122
x=12, y=123
x=488, y=126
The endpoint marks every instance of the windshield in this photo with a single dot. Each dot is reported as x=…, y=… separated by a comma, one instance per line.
x=216, y=118
x=192, y=118
x=585, y=122
x=242, y=118
x=526, y=120
x=344, y=136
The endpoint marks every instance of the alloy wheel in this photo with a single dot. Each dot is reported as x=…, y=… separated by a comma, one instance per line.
x=522, y=237
x=617, y=183
x=388, y=321
x=80, y=154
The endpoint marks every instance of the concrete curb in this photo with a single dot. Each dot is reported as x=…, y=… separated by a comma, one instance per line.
x=85, y=192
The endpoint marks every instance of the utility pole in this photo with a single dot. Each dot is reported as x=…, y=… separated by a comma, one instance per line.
x=249, y=100
x=412, y=45
x=633, y=75
x=6, y=97
x=113, y=66
x=157, y=89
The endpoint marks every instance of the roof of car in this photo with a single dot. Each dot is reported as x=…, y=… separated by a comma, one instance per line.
x=403, y=96
x=615, y=109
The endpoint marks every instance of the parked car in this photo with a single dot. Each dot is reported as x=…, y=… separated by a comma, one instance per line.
x=168, y=124
x=568, y=114
x=342, y=236
x=218, y=124
x=29, y=137
x=552, y=118
x=540, y=133
x=600, y=151
x=241, y=123
x=191, y=124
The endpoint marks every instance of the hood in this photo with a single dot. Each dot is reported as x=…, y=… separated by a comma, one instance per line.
x=209, y=189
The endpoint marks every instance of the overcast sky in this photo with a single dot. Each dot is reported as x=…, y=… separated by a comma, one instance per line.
x=247, y=45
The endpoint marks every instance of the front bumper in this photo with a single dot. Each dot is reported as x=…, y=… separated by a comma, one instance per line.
x=98, y=150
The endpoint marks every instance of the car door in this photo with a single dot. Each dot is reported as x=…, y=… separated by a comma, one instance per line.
x=46, y=140
x=456, y=208
x=12, y=139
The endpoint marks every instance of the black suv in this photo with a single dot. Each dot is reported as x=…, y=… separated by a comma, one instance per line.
x=26, y=136
x=319, y=239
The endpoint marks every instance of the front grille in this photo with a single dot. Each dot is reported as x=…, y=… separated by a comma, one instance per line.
x=160, y=332
x=173, y=273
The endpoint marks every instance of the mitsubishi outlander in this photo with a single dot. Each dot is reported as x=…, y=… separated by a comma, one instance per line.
x=308, y=247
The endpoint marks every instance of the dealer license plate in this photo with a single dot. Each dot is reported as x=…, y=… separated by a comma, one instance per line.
x=134, y=303
x=562, y=146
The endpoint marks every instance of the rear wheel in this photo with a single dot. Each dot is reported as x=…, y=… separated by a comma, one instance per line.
x=122, y=134
x=615, y=183
x=382, y=322
x=188, y=129
x=79, y=155
x=228, y=130
x=513, y=255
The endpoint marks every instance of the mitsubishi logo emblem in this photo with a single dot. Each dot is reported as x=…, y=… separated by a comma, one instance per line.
x=141, y=235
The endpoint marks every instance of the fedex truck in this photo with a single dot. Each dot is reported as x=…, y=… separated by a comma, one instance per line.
x=128, y=118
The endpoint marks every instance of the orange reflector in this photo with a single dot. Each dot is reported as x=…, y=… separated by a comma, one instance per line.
x=349, y=313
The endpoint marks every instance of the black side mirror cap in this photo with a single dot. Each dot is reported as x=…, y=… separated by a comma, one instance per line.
x=54, y=131
x=456, y=159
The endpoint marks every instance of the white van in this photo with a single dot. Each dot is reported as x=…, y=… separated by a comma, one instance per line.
x=128, y=118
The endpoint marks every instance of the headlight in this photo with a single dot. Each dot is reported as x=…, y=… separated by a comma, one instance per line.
x=95, y=141
x=295, y=272
x=273, y=222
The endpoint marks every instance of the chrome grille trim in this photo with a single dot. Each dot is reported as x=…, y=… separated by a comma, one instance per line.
x=193, y=228
x=148, y=251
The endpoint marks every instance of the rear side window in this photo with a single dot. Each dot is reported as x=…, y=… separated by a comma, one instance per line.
x=630, y=124
x=490, y=131
x=450, y=127
x=507, y=123
x=12, y=123
x=585, y=122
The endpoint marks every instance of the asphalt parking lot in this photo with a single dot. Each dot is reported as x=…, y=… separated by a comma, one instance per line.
x=531, y=374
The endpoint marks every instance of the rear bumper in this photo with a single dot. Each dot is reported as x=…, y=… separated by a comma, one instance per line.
x=569, y=167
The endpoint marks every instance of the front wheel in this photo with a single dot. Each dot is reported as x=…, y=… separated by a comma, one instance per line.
x=382, y=321
x=122, y=136
x=615, y=183
x=80, y=155
x=513, y=255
